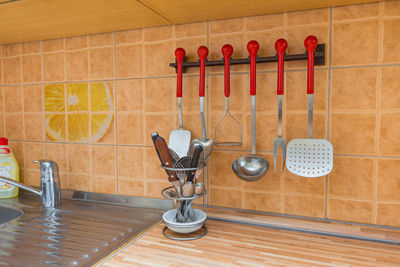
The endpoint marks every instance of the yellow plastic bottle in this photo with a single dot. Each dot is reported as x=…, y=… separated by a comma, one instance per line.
x=9, y=169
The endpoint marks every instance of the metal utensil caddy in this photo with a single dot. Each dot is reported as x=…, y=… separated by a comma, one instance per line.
x=202, y=165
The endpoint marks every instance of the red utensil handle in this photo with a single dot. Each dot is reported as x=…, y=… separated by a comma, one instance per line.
x=227, y=51
x=203, y=53
x=180, y=55
x=280, y=47
x=310, y=43
x=253, y=47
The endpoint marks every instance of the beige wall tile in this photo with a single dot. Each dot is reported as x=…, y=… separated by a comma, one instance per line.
x=129, y=61
x=78, y=159
x=355, y=11
x=130, y=163
x=77, y=65
x=104, y=185
x=304, y=206
x=266, y=131
x=349, y=85
x=297, y=126
x=101, y=63
x=390, y=134
x=155, y=34
x=101, y=39
x=130, y=95
x=103, y=161
x=130, y=36
x=270, y=183
x=32, y=177
x=130, y=188
x=32, y=68
x=226, y=26
x=388, y=214
x=14, y=126
x=353, y=133
x=10, y=50
x=296, y=90
x=33, y=98
x=347, y=210
x=388, y=179
x=390, y=99
x=57, y=153
x=53, y=45
x=13, y=99
x=74, y=43
x=348, y=50
x=12, y=71
x=158, y=95
x=221, y=173
x=226, y=198
x=228, y=130
x=217, y=93
x=78, y=182
x=163, y=124
x=190, y=30
x=352, y=178
x=17, y=148
x=308, y=17
x=53, y=67
x=391, y=44
x=266, y=98
x=391, y=8
x=31, y=47
x=190, y=94
x=34, y=126
x=295, y=184
x=33, y=151
x=263, y=202
x=192, y=123
x=153, y=189
x=152, y=168
x=156, y=53
x=130, y=129
x=264, y=22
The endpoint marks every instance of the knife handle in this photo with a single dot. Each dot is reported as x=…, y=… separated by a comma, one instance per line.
x=164, y=156
x=310, y=43
x=194, y=162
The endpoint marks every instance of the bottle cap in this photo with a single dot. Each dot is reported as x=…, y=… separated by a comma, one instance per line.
x=3, y=141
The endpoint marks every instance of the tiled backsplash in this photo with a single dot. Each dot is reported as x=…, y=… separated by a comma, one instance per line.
x=357, y=107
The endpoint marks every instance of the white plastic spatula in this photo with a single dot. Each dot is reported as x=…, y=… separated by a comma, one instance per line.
x=310, y=157
x=179, y=140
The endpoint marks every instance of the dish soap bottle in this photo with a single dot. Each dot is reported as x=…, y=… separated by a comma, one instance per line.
x=8, y=169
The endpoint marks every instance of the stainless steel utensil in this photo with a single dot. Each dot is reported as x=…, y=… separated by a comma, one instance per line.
x=251, y=168
x=207, y=143
x=179, y=140
x=188, y=189
x=310, y=157
x=199, y=188
x=182, y=163
x=280, y=46
x=227, y=51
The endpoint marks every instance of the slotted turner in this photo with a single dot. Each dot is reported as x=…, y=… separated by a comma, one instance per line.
x=310, y=157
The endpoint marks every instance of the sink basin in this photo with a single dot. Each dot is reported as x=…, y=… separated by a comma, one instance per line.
x=8, y=214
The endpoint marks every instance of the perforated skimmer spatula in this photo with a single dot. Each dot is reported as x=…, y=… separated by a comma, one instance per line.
x=310, y=157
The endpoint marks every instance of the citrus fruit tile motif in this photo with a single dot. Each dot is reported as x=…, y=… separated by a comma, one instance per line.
x=78, y=112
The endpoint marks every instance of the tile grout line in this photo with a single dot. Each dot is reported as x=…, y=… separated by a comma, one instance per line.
x=328, y=121
x=115, y=112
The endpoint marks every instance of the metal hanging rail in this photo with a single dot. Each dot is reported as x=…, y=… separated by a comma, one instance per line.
x=319, y=59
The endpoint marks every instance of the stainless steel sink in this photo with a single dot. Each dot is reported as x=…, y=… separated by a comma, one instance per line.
x=82, y=232
x=7, y=214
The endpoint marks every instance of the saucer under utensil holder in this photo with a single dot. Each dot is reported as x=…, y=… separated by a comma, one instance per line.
x=184, y=231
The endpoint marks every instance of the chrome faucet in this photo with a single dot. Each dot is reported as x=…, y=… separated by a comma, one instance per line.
x=49, y=184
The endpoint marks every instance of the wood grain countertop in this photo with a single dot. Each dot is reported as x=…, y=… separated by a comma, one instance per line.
x=234, y=244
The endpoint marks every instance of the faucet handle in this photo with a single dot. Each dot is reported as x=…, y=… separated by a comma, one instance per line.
x=48, y=171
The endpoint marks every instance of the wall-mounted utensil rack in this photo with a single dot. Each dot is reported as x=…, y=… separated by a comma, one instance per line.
x=319, y=59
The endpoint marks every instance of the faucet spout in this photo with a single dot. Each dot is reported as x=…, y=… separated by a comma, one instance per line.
x=21, y=185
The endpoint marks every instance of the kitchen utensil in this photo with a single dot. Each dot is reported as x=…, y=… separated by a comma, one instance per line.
x=207, y=143
x=171, y=194
x=188, y=189
x=280, y=46
x=182, y=163
x=179, y=140
x=251, y=168
x=310, y=157
x=198, y=220
x=166, y=159
x=174, y=156
x=199, y=188
x=227, y=51
x=194, y=163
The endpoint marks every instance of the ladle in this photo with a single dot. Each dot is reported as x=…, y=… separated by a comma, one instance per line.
x=251, y=168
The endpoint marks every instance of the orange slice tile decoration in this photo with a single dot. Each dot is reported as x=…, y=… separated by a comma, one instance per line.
x=78, y=112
